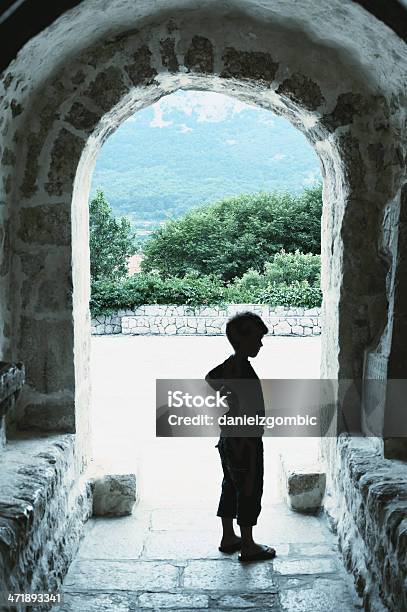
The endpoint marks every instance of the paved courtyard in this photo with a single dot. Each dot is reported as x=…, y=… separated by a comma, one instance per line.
x=124, y=371
x=165, y=556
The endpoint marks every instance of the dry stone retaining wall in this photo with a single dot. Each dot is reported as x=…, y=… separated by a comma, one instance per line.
x=156, y=319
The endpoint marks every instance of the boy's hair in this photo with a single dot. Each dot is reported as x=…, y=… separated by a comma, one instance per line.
x=237, y=326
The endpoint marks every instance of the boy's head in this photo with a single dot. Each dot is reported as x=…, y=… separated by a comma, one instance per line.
x=245, y=332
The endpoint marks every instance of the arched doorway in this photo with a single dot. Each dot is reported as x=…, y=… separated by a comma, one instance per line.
x=63, y=95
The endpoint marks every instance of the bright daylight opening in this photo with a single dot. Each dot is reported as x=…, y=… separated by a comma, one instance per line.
x=223, y=200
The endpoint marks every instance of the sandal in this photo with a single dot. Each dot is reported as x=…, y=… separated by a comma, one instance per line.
x=267, y=552
x=230, y=548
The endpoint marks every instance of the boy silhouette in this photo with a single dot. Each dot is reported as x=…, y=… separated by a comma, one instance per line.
x=241, y=456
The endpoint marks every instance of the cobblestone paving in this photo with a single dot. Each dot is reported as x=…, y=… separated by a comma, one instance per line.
x=161, y=559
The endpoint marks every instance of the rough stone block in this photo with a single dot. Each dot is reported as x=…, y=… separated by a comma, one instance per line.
x=225, y=574
x=311, y=312
x=114, y=494
x=200, y=55
x=49, y=414
x=127, y=575
x=65, y=156
x=107, y=89
x=283, y=328
x=201, y=329
x=141, y=329
x=174, y=601
x=140, y=70
x=324, y=595
x=45, y=224
x=152, y=310
x=48, y=368
x=303, y=486
x=295, y=567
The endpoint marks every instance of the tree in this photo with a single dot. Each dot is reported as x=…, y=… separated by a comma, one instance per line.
x=112, y=241
x=233, y=235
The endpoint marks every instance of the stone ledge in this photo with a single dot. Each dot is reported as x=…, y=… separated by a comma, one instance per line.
x=43, y=506
x=370, y=516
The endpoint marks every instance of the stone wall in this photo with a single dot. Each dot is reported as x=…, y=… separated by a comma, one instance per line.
x=43, y=502
x=370, y=516
x=43, y=507
x=160, y=319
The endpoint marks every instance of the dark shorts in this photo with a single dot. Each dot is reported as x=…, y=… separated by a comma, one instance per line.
x=242, y=485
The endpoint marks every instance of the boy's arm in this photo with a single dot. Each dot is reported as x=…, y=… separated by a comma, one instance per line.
x=214, y=378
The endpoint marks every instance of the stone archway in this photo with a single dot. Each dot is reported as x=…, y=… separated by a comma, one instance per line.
x=316, y=65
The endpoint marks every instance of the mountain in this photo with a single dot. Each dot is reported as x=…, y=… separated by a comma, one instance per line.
x=194, y=147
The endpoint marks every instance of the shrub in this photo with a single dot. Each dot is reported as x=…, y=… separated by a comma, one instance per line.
x=293, y=267
x=112, y=295
x=298, y=293
x=109, y=296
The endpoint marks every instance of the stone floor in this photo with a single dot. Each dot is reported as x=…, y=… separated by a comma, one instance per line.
x=159, y=559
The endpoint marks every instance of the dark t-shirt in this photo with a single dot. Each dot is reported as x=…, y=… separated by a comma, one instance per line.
x=238, y=380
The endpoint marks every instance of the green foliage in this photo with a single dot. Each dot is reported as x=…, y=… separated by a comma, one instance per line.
x=300, y=287
x=297, y=293
x=207, y=257
x=111, y=295
x=231, y=236
x=111, y=240
x=292, y=267
x=290, y=279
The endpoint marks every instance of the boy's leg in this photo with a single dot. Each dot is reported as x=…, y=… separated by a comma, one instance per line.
x=249, y=506
x=227, y=507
